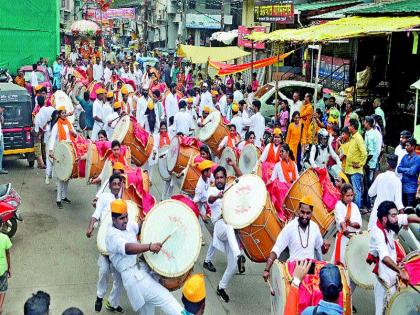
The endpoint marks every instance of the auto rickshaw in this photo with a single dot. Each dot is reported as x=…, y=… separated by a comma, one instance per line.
x=18, y=138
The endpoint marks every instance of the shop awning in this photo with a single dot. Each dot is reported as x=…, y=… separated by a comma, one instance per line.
x=201, y=54
x=323, y=5
x=345, y=28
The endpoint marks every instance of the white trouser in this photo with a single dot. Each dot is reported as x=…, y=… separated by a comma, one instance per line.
x=49, y=168
x=105, y=269
x=62, y=187
x=224, y=239
x=145, y=293
x=211, y=251
x=382, y=296
x=167, y=190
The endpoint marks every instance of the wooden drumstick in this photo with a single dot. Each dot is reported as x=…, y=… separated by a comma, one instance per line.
x=236, y=181
x=170, y=234
x=271, y=288
x=207, y=122
x=413, y=287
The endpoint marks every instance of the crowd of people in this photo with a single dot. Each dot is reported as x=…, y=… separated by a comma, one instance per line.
x=172, y=99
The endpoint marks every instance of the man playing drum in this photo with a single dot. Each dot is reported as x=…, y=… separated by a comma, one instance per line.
x=112, y=119
x=206, y=112
x=224, y=238
x=301, y=235
x=183, y=122
x=203, y=185
x=62, y=130
x=143, y=291
x=105, y=267
x=383, y=251
x=97, y=113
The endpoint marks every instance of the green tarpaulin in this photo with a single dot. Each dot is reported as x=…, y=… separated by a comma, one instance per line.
x=29, y=29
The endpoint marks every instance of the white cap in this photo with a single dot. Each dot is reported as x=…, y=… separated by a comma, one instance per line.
x=205, y=84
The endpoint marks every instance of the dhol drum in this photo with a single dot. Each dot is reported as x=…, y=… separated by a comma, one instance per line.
x=228, y=153
x=136, y=181
x=188, y=201
x=191, y=175
x=128, y=132
x=281, y=276
x=213, y=132
x=66, y=159
x=359, y=270
x=247, y=207
x=174, y=224
x=82, y=120
x=308, y=184
x=408, y=240
x=133, y=216
x=249, y=160
x=61, y=98
x=163, y=163
x=179, y=155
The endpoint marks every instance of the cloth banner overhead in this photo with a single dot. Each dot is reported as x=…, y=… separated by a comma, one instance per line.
x=225, y=69
x=200, y=54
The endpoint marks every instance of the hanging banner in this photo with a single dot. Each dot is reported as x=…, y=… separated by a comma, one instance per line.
x=123, y=13
x=274, y=11
x=243, y=31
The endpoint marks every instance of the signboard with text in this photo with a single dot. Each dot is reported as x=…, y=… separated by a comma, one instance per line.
x=274, y=11
x=243, y=31
x=123, y=13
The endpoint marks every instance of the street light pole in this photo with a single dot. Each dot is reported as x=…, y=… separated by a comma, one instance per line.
x=222, y=16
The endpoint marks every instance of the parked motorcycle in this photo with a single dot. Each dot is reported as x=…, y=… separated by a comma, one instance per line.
x=9, y=204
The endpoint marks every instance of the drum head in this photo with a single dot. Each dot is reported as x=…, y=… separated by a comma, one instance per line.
x=121, y=129
x=172, y=155
x=248, y=159
x=408, y=240
x=228, y=153
x=62, y=98
x=278, y=282
x=133, y=212
x=405, y=302
x=163, y=163
x=64, y=160
x=106, y=171
x=82, y=120
x=158, y=184
x=210, y=126
x=243, y=203
x=180, y=251
x=89, y=157
x=359, y=270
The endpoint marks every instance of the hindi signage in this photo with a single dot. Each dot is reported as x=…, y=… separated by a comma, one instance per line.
x=243, y=31
x=274, y=11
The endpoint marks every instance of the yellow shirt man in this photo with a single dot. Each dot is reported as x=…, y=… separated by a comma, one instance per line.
x=356, y=155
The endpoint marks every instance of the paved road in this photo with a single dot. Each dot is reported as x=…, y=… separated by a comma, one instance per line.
x=51, y=253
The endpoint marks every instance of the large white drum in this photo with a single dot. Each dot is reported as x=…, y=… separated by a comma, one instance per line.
x=405, y=301
x=248, y=161
x=213, y=131
x=179, y=155
x=133, y=216
x=163, y=163
x=355, y=256
x=228, y=153
x=64, y=161
x=61, y=99
x=179, y=253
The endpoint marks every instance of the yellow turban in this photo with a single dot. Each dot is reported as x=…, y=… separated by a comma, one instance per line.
x=62, y=107
x=214, y=93
x=204, y=165
x=194, y=289
x=276, y=131
x=150, y=105
x=206, y=109
x=110, y=94
x=235, y=107
x=307, y=200
x=119, y=206
x=38, y=87
x=118, y=166
x=124, y=90
x=100, y=91
x=117, y=105
x=190, y=100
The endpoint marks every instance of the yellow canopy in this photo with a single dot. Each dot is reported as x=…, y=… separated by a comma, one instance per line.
x=355, y=26
x=201, y=54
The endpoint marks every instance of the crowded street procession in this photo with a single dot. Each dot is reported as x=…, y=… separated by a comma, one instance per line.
x=209, y=157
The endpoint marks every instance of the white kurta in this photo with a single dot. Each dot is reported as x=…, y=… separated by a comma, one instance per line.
x=97, y=112
x=237, y=121
x=264, y=154
x=323, y=155
x=141, y=109
x=206, y=100
x=278, y=173
x=289, y=237
x=183, y=122
x=201, y=191
x=400, y=152
x=386, y=186
x=258, y=127
x=42, y=118
x=171, y=106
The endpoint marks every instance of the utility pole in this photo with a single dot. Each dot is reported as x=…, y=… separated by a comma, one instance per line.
x=222, y=16
x=145, y=27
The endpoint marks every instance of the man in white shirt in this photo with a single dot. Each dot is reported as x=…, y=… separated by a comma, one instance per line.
x=224, y=238
x=138, y=74
x=206, y=99
x=107, y=73
x=97, y=113
x=73, y=56
x=34, y=78
x=237, y=121
x=382, y=252
x=387, y=186
x=98, y=71
x=400, y=150
x=103, y=208
x=143, y=291
x=237, y=94
x=183, y=122
x=301, y=235
x=171, y=103
x=223, y=101
x=295, y=104
x=257, y=123
x=141, y=107
x=111, y=119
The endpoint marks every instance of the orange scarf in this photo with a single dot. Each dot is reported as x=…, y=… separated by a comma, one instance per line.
x=121, y=159
x=273, y=157
x=340, y=236
x=231, y=141
x=164, y=139
x=287, y=168
x=61, y=132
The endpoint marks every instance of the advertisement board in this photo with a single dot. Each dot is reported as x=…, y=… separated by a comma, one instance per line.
x=243, y=31
x=274, y=11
